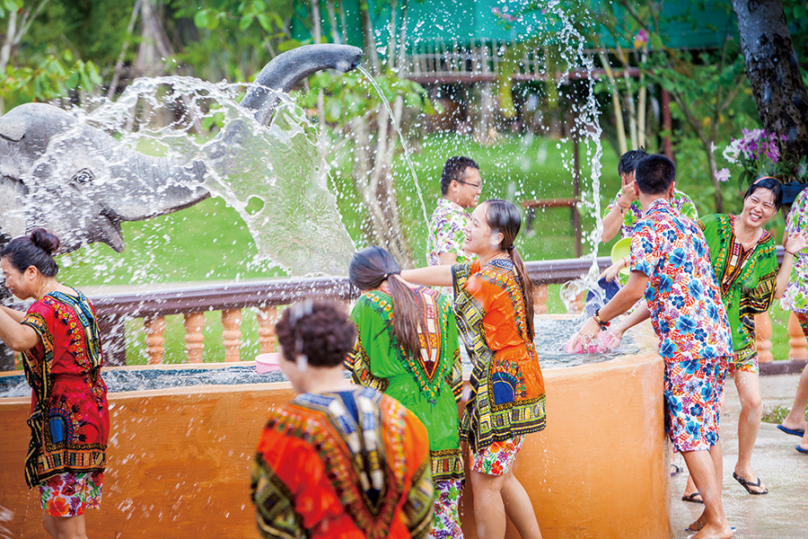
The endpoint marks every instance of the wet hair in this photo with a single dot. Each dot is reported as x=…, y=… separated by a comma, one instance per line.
x=320, y=330
x=503, y=217
x=767, y=182
x=628, y=161
x=36, y=249
x=655, y=174
x=454, y=169
x=368, y=270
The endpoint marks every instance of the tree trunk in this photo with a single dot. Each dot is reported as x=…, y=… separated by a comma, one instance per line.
x=774, y=72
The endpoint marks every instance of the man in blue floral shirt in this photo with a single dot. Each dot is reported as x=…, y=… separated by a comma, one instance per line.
x=461, y=186
x=670, y=266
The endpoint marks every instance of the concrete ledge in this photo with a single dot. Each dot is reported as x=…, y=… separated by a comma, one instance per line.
x=793, y=366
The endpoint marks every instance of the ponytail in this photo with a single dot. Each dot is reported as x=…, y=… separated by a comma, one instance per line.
x=527, y=288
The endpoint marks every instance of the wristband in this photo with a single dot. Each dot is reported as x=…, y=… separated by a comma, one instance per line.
x=601, y=323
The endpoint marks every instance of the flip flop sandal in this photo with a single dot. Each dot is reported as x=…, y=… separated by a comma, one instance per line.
x=675, y=470
x=801, y=450
x=747, y=484
x=692, y=498
x=793, y=432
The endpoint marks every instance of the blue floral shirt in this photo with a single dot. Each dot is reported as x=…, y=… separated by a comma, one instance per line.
x=687, y=313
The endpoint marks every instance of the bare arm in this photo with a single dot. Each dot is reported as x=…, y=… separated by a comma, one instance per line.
x=16, y=336
x=614, y=219
x=793, y=244
x=429, y=276
x=620, y=303
x=447, y=259
x=640, y=314
x=15, y=315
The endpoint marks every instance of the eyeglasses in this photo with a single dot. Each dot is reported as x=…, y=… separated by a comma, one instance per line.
x=475, y=185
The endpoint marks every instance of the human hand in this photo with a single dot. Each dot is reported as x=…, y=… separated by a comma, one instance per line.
x=585, y=336
x=628, y=195
x=611, y=272
x=796, y=243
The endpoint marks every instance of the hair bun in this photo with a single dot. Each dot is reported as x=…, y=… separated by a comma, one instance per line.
x=44, y=240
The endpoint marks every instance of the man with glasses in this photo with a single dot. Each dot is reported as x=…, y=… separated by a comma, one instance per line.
x=461, y=186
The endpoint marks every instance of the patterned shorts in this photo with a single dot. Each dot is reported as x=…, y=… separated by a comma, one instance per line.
x=693, y=391
x=497, y=458
x=69, y=494
x=446, y=523
x=744, y=362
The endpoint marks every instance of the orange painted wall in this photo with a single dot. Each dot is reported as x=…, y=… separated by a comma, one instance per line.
x=179, y=461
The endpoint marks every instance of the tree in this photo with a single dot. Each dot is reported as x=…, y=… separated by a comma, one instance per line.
x=774, y=72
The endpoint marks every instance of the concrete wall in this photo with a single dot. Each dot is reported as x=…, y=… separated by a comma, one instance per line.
x=179, y=460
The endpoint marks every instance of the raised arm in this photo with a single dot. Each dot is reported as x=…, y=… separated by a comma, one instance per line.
x=16, y=336
x=429, y=276
x=15, y=315
x=793, y=245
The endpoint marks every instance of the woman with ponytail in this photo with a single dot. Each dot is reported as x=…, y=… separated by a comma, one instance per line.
x=407, y=348
x=494, y=313
x=61, y=350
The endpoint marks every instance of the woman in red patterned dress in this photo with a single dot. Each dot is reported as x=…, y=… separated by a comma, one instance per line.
x=61, y=350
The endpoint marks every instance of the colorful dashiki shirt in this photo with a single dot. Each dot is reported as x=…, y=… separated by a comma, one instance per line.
x=746, y=278
x=507, y=387
x=681, y=203
x=430, y=384
x=446, y=233
x=70, y=419
x=796, y=295
x=349, y=464
x=686, y=309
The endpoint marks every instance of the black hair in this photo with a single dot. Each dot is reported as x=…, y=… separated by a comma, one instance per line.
x=503, y=217
x=655, y=174
x=767, y=182
x=628, y=161
x=369, y=268
x=320, y=330
x=454, y=169
x=36, y=249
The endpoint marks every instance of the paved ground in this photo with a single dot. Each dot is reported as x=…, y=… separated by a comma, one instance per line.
x=781, y=514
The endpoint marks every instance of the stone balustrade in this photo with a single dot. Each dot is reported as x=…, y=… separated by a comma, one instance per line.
x=267, y=296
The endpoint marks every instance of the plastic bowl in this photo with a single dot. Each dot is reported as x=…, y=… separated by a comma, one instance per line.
x=267, y=362
x=621, y=250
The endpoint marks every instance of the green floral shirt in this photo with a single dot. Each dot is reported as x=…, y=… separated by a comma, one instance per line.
x=681, y=203
x=446, y=233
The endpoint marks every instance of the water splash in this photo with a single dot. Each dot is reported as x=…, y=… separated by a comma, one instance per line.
x=407, y=152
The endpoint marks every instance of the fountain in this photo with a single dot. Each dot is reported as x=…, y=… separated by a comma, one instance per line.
x=179, y=457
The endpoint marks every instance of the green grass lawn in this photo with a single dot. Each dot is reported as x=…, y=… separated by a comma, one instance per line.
x=209, y=242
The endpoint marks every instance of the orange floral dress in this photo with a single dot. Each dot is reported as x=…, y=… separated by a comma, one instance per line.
x=507, y=388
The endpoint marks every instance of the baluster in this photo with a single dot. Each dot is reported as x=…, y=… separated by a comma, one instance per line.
x=231, y=321
x=540, y=294
x=155, y=326
x=194, y=323
x=266, y=328
x=763, y=337
x=798, y=348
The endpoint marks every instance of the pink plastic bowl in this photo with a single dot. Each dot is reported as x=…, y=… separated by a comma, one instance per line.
x=267, y=362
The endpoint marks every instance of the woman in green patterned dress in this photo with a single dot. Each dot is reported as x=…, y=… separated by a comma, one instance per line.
x=407, y=348
x=745, y=265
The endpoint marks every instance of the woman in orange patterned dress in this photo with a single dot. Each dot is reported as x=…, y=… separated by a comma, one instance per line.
x=494, y=312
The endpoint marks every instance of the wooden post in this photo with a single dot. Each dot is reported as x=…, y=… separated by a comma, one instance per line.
x=540, y=294
x=798, y=348
x=763, y=337
x=194, y=323
x=231, y=321
x=266, y=328
x=155, y=327
x=667, y=122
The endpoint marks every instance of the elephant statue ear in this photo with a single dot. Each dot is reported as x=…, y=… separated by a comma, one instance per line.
x=12, y=129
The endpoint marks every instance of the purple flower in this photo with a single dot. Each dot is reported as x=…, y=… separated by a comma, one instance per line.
x=722, y=175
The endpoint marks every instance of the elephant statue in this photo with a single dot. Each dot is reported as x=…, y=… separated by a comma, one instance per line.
x=59, y=173
x=102, y=183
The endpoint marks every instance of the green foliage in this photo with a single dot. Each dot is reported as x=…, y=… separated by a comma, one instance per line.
x=51, y=78
x=8, y=6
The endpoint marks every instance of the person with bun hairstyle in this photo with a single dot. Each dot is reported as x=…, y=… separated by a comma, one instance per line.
x=62, y=357
x=494, y=314
x=407, y=348
x=340, y=460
